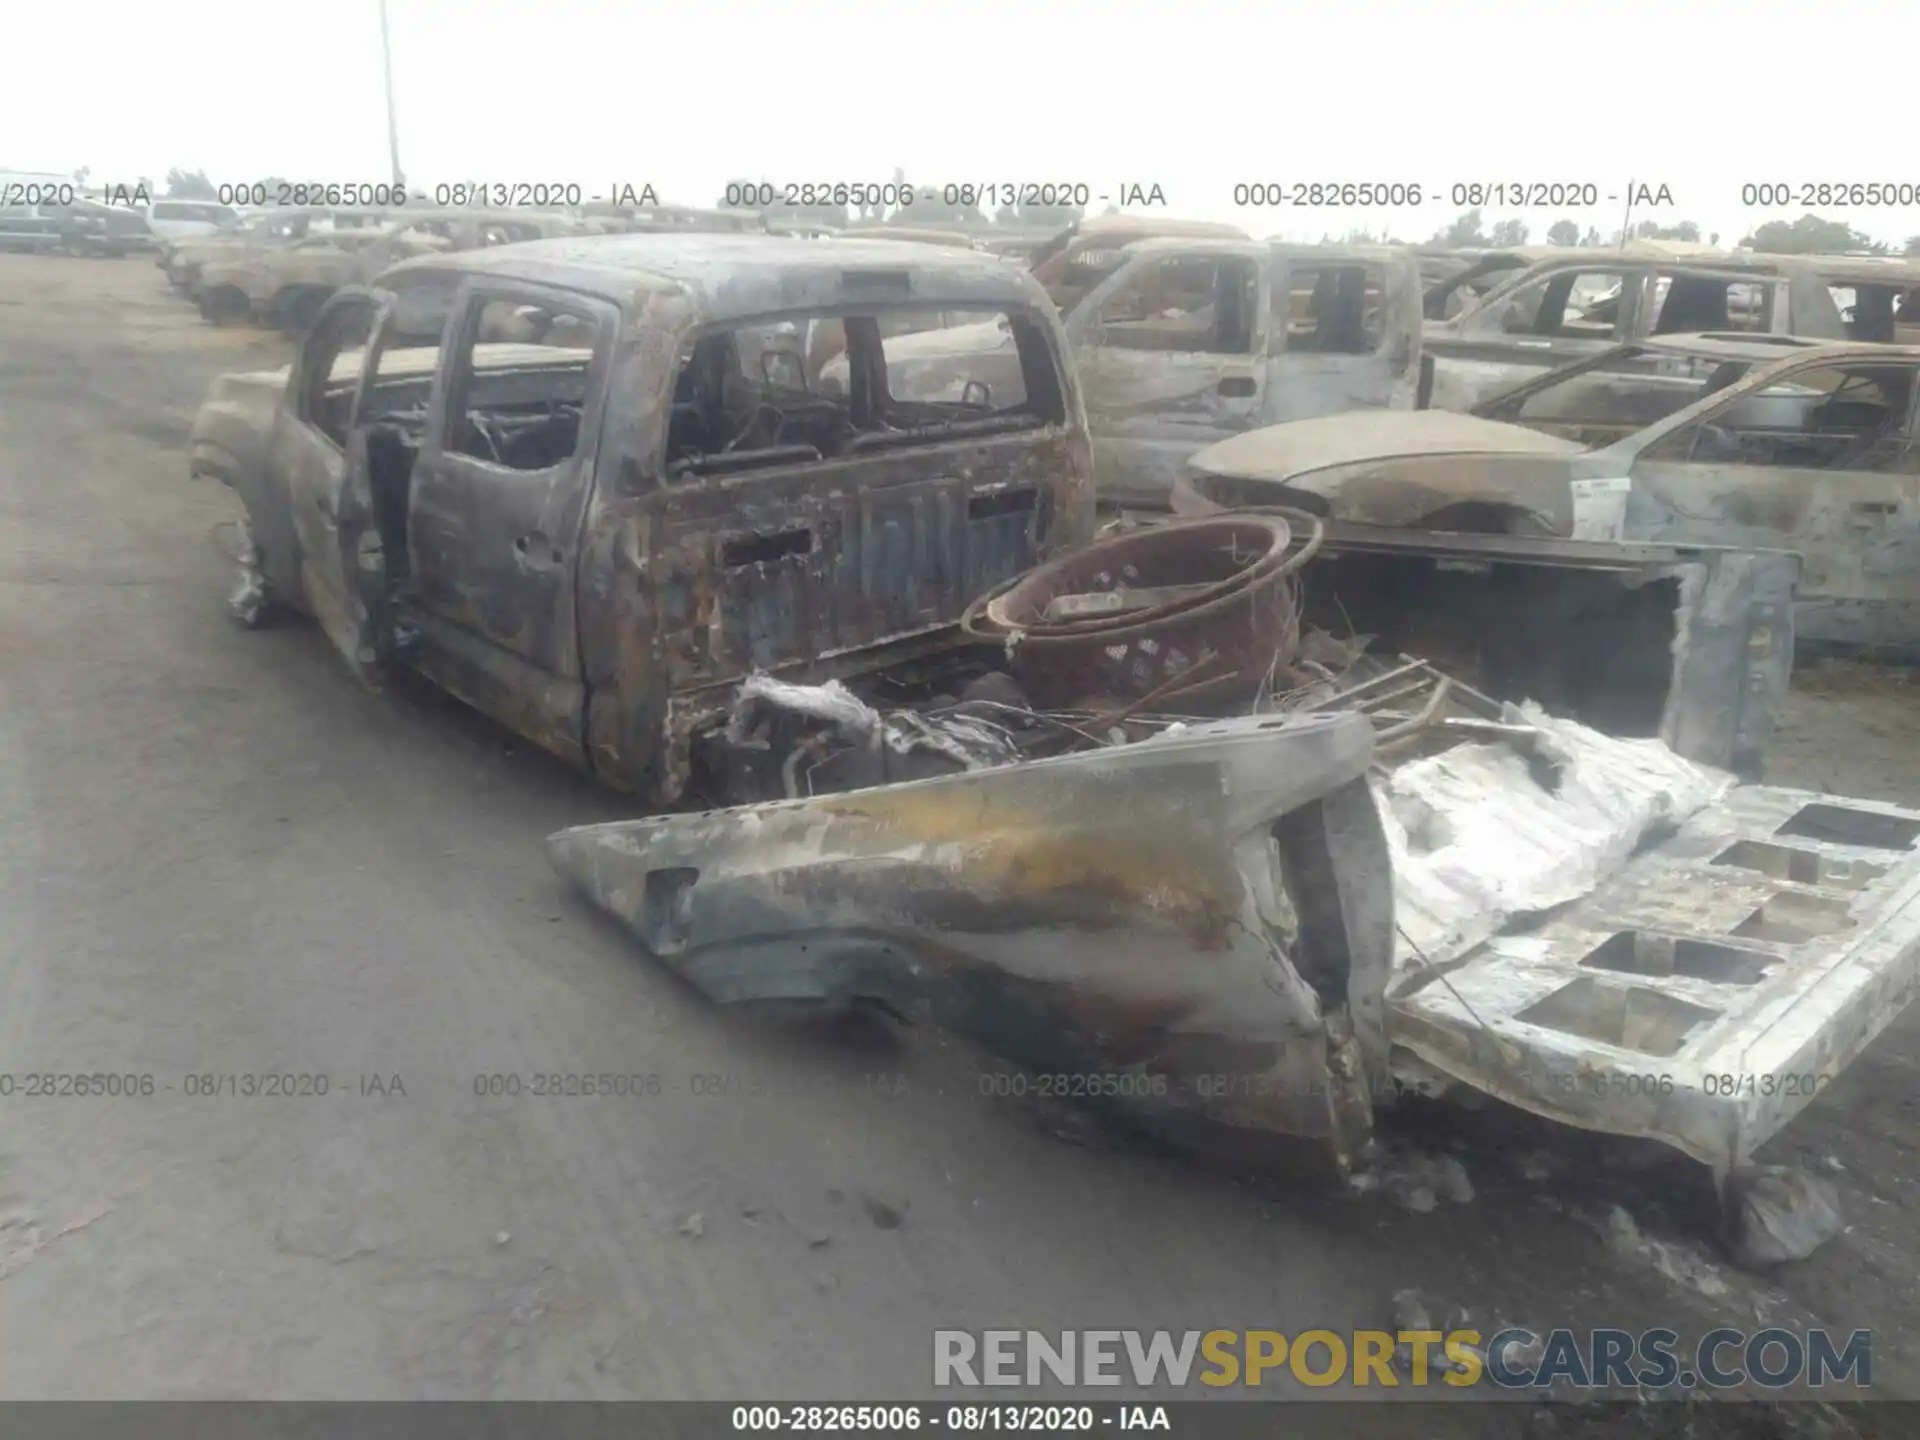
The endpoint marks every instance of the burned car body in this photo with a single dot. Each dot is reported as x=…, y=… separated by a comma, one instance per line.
x=1188, y=341
x=1569, y=304
x=1083, y=255
x=1728, y=440
x=1456, y=281
x=285, y=286
x=955, y=236
x=183, y=259
x=593, y=536
x=670, y=219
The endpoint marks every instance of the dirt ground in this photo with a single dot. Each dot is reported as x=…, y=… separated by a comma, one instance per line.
x=221, y=858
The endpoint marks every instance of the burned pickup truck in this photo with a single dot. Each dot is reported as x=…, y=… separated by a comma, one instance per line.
x=590, y=537
x=184, y=259
x=1122, y=806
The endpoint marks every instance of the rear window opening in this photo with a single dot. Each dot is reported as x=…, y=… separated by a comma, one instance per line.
x=520, y=384
x=1332, y=309
x=1185, y=304
x=1790, y=919
x=1802, y=867
x=1873, y=313
x=1844, y=825
x=1639, y=952
x=1566, y=304
x=835, y=384
x=1686, y=304
x=1628, y=1017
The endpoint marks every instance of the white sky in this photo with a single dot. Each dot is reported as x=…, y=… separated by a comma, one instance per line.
x=1195, y=96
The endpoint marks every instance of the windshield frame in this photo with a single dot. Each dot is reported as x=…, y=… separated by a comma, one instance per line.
x=1505, y=407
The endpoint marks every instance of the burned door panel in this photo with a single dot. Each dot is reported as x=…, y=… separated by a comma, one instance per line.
x=314, y=447
x=1822, y=461
x=497, y=501
x=1588, y=927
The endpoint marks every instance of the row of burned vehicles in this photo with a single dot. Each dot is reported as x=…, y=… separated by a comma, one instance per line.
x=1420, y=753
x=276, y=267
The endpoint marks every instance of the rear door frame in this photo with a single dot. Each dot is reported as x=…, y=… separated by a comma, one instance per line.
x=518, y=662
x=329, y=498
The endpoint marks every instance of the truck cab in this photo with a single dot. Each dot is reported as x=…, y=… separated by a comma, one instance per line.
x=593, y=531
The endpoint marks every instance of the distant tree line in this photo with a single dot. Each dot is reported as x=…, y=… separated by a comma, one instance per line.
x=1809, y=235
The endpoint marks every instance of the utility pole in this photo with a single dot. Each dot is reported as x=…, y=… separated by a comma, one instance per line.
x=393, y=128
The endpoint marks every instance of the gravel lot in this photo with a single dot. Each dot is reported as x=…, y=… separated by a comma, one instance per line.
x=219, y=857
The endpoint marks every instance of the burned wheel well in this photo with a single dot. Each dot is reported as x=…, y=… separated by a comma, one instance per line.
x=297, y=305
x=225, y=300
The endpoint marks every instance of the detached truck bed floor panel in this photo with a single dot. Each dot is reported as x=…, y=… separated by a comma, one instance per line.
x=1706, y=991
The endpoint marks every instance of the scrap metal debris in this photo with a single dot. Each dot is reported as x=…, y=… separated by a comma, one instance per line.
x=1210, y=902
x=1478, y=838
x=1373, y=870
x=1202, y=612
x=1777, y=1213
x=833, y=719
x=1518, y=845
x=249, y=602
x=1414, y=1181
x=1678, y=1262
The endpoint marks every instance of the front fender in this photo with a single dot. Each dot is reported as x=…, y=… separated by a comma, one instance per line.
x=231, y=442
